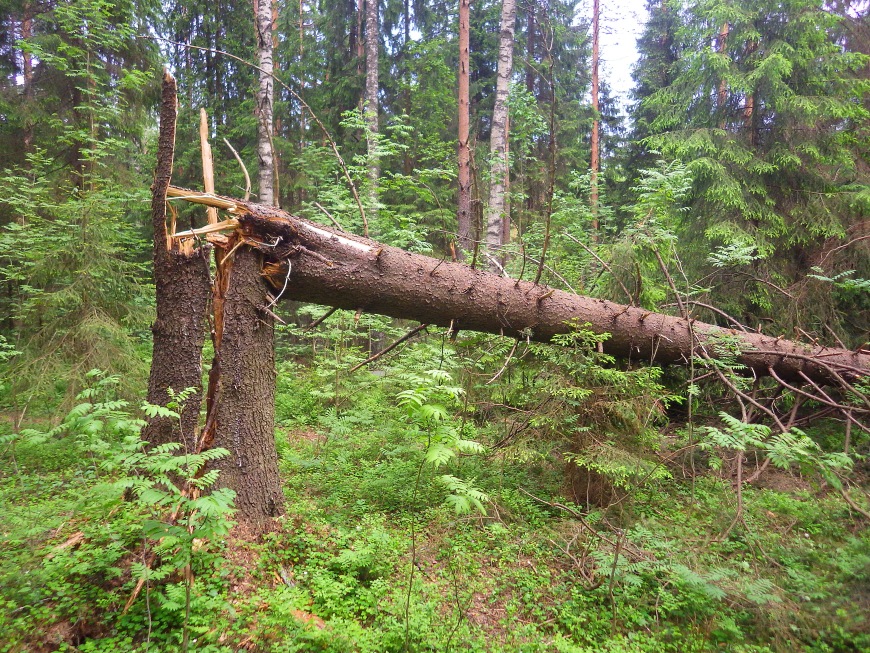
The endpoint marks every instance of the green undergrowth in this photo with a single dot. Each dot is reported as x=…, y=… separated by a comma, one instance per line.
x=411, y=527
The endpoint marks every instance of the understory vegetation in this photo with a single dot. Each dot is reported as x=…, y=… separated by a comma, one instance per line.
x=423, y=515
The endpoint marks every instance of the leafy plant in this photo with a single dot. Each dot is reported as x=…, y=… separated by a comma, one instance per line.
x=426, y=404
x=186, y=513
x=784, y=450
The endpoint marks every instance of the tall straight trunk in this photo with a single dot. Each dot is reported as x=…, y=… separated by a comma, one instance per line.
x=405, y=68
x=265, y=100
x=506, y=223
x=371, y=104
x=360, y=40
x=183, y=289
x=594, y=161
x=499, y=167
x=463, y=216
x=722, y=48
x=749, y=118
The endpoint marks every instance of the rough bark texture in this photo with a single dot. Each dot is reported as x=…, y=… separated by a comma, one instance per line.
x=463, y=215
x=495, y=212
x=242, y=411
x=265, y=98
x=371, y=104
x=333, y=269
x=183, y=291
x=595, y=145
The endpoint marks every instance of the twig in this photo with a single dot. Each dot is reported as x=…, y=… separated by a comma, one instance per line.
x=817, y=360
x=576, y=515
x=329, y=215
x=768, y=283
x=739, y=393
x=551, y=271
x=283, y=289
x=854, y=506
x=851, y=242
x=671, y=283
x=321, y=318
x=822, y=400
x=604, y=265
x=836, y=337
x=269, y=312
x=506, y=362
x=398, y=342
x=715, y=310
x=244, y=170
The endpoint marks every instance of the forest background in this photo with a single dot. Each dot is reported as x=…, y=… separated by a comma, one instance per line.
x=461, y=491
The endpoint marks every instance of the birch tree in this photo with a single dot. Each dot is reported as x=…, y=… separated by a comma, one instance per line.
x=265, y=99
x=499, y=168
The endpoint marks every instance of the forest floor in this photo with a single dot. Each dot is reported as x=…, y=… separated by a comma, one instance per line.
x=370, y=557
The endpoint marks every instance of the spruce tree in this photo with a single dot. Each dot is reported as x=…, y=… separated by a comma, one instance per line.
x=768, y=121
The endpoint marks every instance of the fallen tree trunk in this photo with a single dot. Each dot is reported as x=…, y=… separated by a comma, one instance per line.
x=351, y=272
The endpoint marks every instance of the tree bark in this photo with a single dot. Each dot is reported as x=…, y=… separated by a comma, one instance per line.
x=183, y=289
x=463, y=216
x=594, y=162
x=265, y=100
x=371, y=104
x=722, y=96
x=241, y=416
x=495, y=212
x=353, y=273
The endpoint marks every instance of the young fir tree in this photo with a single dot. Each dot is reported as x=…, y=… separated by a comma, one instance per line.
x=72, y=281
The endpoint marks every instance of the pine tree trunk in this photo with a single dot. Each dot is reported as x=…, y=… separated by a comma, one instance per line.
x=499, y=169
x=594, y=162
x=722, y=47
x=464, y=209
x=371, y=104
x=265, y=100
x=183, y=289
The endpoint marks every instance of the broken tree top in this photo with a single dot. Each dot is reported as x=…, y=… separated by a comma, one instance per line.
x=313, y=264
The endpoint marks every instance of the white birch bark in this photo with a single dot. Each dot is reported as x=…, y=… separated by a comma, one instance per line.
x=265, y=99
x=499, y=168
